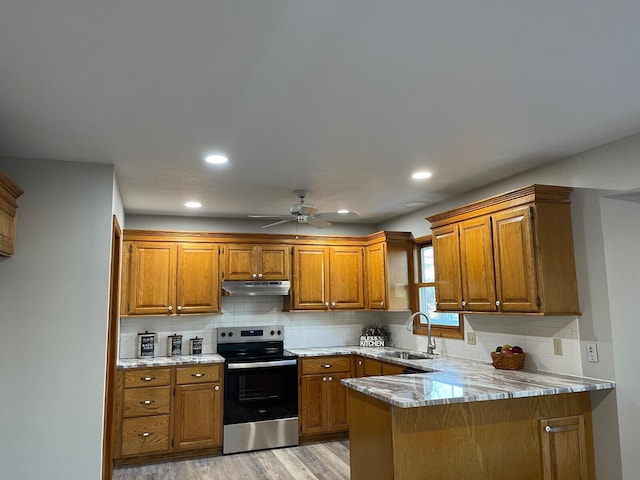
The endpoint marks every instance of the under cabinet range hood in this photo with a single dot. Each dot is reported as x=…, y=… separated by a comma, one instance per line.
x=256, y=287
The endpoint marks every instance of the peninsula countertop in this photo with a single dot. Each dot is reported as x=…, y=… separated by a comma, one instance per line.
x=454, y=380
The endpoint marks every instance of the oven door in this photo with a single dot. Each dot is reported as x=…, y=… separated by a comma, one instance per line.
x=259, y=391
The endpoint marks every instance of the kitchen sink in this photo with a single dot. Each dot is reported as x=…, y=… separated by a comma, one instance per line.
x=409, y=355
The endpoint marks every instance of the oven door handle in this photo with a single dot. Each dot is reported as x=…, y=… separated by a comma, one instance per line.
x=267, y=364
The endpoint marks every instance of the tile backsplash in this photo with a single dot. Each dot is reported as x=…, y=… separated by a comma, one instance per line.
x=302, y=329
x=318, y=329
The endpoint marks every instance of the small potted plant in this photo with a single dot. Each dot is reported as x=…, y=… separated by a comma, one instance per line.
x=375, y=336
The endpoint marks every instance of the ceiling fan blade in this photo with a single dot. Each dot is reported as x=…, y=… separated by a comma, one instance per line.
x=278, y=222
x=318, y=222
x=337, y=217
x=269, y=216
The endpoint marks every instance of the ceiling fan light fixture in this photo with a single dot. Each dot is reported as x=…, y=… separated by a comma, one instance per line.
x=216, y=159
x=421, y=175
x=343, y=211
x=193, y=204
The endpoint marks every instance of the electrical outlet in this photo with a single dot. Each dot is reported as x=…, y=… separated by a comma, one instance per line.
x=471, y=337
x=592, y=352
x=557, y=346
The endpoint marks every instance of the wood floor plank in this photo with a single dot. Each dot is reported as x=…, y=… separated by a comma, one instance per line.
x=318, y=461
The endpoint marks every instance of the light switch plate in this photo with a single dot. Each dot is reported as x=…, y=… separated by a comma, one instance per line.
x=557, y=346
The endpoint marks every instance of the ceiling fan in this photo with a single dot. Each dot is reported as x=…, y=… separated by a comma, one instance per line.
x=303, y=213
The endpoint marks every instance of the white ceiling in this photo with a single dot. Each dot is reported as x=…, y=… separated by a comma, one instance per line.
x=346, y=98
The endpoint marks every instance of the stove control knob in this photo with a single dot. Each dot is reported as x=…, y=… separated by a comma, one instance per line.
x=223, y=334
x=231, y=334
x=279, y=332
x=272, y=333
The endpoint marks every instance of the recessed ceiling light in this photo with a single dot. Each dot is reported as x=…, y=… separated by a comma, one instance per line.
x=421, y=175
x=343, y=211
x=216, y=159
x=193, y=204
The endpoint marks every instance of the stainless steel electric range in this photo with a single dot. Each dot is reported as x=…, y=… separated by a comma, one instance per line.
x=261, y=389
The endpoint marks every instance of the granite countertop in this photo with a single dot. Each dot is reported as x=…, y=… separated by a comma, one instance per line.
x=454, y=380
x=446, y=379
x=170, y=361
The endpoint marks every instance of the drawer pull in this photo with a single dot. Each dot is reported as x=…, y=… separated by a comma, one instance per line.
x=217, y=388
x=331, y=379
x=147, y=379
x=147, y=402
x=324, y=379
x=144, y=434
x=327, y=365
x=198, y=375
x=567, y=428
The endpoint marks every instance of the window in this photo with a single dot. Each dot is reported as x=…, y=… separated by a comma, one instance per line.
x=442, y=324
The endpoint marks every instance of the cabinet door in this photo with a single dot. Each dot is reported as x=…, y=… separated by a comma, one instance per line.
x=310, y=278
x=198, y=284
x=239, y=262
x=197, y=416
x=376, y=277
x=313, y=404
x=392, y=369
x=7, y=231
x=564, y=448
x=372, y=368
x=152, y=278
x=360, y=366
x=446, y=257
x=515, y=263
x=476, y=265
x=337, y=402
x=274, y=262
x=346, y=277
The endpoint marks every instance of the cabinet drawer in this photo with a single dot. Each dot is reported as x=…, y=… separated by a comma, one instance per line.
x=198, y=374
x=143, y=377
x=146, y=401
x=325, y=365
x=145, y=435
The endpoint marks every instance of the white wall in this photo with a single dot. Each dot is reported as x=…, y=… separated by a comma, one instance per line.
x=621, y=221
x=53, y=318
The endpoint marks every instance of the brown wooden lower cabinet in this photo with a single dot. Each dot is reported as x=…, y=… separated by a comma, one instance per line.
x=369, y=367
x=323, y=398
x=166, y=413
x=497, y=440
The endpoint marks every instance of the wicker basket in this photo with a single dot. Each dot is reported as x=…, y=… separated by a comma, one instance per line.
x=513, y=361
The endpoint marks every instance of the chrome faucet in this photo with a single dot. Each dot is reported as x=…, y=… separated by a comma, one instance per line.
x=431, y=343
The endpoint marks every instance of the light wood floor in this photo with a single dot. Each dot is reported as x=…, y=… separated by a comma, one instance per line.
x=317, y=461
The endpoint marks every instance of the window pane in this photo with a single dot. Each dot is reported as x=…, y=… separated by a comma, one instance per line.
x=428, y=305
x=428, y=274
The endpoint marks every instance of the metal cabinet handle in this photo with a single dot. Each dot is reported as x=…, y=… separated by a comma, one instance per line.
x=498, y=303
x=170, y=308
x=259, y=275
x=547, y=429
x=144, y=434
x=331, y=379
x=464, y=303
x=179, y=308
x=216, y=388
x=147, y=402
x=333, y=304
x=147, y=379
x=326, y=304
x=324, y=379
x=382, y=304
x=359, y=362
x=254, y=275
x=327, y=365
x=198, y=375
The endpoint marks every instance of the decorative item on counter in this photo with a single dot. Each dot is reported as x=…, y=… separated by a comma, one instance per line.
x=146, y=344
x=375, y=336
x=196, y=346
x=174, y=345
x=506, y=357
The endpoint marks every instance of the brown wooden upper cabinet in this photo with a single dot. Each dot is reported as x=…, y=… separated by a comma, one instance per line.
x=170, y=278
x=9, y=193
x=512, y=253
x=327, y=277
x=256, y=262
x=388, y=259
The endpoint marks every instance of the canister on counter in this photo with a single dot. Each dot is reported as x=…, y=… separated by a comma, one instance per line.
x=196, y=346
x=146, y=344
x=174, y=345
